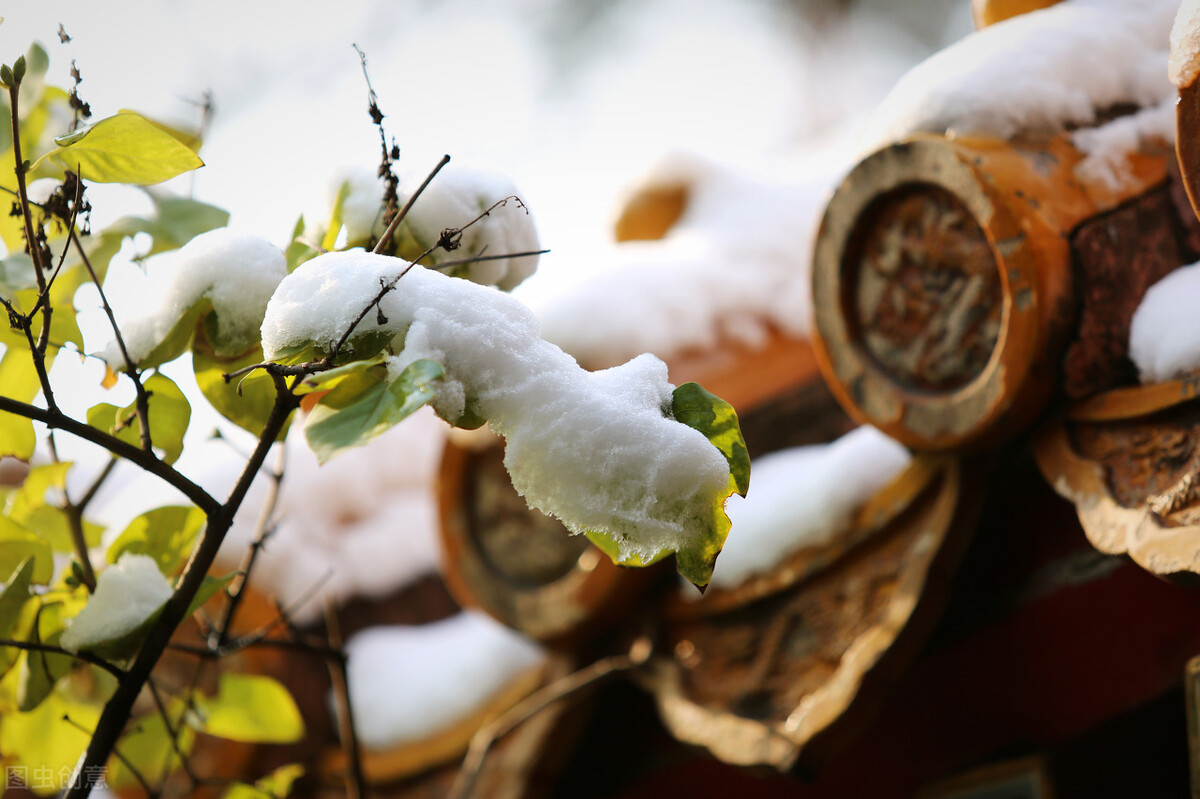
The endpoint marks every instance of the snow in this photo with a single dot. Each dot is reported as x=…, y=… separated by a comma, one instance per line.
x=802, y=497
x=735, y=263
x=408, y=683
x=1164, y=334
x=593, y=449
x=127, y=594
x=1107, y=145
x=455, y=197
x=1184, y=63
x=236, y=271
x=1037, y=72
x=363, y=525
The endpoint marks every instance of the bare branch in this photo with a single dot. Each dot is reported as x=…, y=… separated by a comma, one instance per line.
x=395, y=223
x=148, y=462
x=120, y=704
x=356, y=783
x=85, y=657
x=539, y=700
x=142, y=403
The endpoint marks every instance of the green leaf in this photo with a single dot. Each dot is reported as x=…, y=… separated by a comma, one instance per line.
x=126, y=148
x=13, y=599
x=701, y=410
x=38, y=672
x=17, y=273
x=169, y=414
x=166, y=534
x=175, y=222
x=208, y=589
x=147, y=747
x=17, y=544
x=362, y=407
x=246, y=403
x=334, y=228
x=251, y=708
x=276, y=785
x=299, y=250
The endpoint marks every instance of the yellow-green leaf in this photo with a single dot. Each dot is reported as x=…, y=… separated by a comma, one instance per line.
x=12, y=601
x=17, y=544
x=125, y=148
x=166, y=534
x=169, y=414
x=147, y=747
x=246, y=403
x=251, y=708
x=276, y=785
x=44, y=741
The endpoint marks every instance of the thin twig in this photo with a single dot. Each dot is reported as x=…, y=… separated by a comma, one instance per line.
x=395, y=223
x=481, y=257
x=356, y=783
x=85, y=657
x=137, y=775
x=120, y=704
x=35, y=252
x=74, y=512
x=148, y=462
x=262, y=531
x=539, y=700
x=173, y=731
x=142, y=403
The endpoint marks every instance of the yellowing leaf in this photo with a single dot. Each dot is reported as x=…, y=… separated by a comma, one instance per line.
x=252, y=709
x=147, y=747
x=276, y=785
x=126, y=148
x=43, y=741
x=246, y=403
x=166, y=534
x=17, y=544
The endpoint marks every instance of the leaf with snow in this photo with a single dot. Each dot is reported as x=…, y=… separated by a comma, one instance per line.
x=364, y=405
x=113, y=622
x=168, y=410
x=455, y=197
x=251, y=708
x=597, y=450
x=220, y=280
x=125, y=148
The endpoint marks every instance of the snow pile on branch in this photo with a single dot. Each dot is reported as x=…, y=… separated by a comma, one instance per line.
x=1185, y=44
x=1164, y=334
x=1041, y=72
x=408, y=683
x=455, y=197
x=801, y=497
x=127, y=594
x=236, y=272
x=735, y=263
x=594, y=449
x=363, y=525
